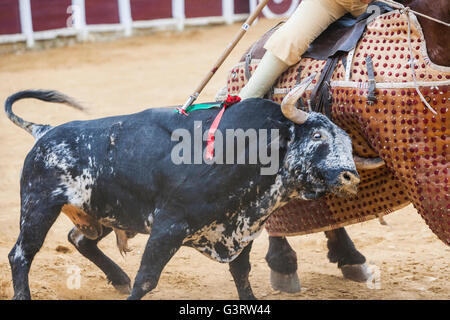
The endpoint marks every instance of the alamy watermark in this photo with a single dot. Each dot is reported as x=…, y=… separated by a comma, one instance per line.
x=374, y=280
x=251, y=146
x=74, y=18
x=73, y=281
x=375, y=12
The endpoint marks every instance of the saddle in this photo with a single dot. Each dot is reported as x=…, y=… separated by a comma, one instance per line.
x=332, y=45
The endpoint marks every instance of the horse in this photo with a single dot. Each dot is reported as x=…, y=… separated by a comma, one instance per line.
x=402, y=130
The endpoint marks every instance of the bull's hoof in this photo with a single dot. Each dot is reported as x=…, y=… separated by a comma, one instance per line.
x=356, y=272
x=123, y=288
x=285, y=282
x=121, y=282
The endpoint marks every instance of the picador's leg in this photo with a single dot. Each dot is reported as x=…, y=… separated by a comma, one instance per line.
x=240, y=269
x=37, y=216
x=165, y=240
x=282, y=261
x=342, y=250
x=89, y=249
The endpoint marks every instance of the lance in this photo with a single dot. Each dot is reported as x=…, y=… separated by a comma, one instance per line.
x=223, y=57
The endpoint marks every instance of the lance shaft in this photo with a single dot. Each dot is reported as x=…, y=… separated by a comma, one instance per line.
x=224, y=56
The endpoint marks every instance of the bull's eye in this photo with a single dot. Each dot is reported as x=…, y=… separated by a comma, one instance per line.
x=317, y=136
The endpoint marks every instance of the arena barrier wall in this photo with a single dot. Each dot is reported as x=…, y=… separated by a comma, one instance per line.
x=31, y=20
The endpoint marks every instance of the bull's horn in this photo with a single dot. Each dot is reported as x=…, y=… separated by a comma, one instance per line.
x=368, y=163
x=288, y=107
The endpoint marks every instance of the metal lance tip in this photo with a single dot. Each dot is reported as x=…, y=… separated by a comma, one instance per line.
x=187, y=104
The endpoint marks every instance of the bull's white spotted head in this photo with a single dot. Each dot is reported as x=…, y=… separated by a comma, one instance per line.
x=319, y=159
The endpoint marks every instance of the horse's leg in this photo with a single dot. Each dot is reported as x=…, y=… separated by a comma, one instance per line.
x=342, y=250
x=89, y=249
x=282, y=261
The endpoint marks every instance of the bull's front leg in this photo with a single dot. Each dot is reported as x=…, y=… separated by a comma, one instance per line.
x=165, y=240
x=240, y=269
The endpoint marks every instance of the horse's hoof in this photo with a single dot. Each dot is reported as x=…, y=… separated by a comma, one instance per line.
x=356, y=272
x=285, y=282
x=21, y=296
x=123, y=288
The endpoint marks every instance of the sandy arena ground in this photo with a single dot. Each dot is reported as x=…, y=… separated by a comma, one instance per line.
x=129, y=75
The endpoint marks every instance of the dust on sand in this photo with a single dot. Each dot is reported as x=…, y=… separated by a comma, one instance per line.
x=129, y=75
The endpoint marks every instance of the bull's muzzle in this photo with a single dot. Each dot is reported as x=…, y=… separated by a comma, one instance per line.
x=348, y=183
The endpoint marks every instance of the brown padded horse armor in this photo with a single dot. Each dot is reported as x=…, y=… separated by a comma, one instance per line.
x=399, y=128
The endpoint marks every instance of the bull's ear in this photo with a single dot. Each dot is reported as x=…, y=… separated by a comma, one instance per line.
x=284, y=129
x=283, y=126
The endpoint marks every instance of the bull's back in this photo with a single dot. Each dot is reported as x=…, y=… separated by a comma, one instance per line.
x=131, y=154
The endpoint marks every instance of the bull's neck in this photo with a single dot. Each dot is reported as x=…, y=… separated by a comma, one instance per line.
x=276, y=197
x=437, y=36
x=279, y=194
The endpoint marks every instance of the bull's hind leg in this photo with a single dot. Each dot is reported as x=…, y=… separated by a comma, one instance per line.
x=89, y=249
x=240, y=269
x=342, y=250
x=165, y=240
x=37, y=216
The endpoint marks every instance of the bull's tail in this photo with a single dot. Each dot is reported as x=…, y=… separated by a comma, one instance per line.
x=37, y=130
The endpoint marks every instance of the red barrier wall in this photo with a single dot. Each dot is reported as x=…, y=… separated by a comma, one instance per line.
x=281, y=7
x=241, y=6
x=102, y=11
x=52, y=14
x=49, y=14
x=150, y=9
x=203, y=8
x=9, y=17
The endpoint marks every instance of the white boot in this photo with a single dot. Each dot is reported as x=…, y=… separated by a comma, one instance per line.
x=269, y=69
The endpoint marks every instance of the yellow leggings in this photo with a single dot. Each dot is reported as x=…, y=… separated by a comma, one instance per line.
x=311, y=17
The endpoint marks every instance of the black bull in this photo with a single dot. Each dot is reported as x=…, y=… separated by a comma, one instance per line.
x=117, y=174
